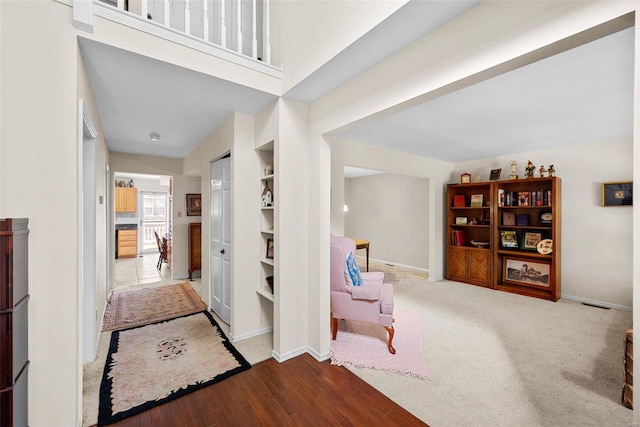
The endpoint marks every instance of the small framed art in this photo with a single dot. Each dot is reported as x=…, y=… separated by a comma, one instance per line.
x=495, y=174
x=476, y=200
x=617, y=193
x=509, y=239
x=270, y=249
x=526, y=271
x=194, y=204
x=530, y=240
x=461, y=220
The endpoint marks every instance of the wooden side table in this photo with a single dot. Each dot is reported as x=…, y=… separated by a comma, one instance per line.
x=363, y=244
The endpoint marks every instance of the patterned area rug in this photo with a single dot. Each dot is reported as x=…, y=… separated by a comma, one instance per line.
x=139, y=307
x=154, y=364
x=364, y=345
x=392, y=273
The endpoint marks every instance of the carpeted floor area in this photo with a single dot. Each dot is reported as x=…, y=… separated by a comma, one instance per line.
x=500, y=359
x=393, y=274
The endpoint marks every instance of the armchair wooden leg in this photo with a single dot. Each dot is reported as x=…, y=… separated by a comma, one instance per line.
x=334, y=327
x=391, y=333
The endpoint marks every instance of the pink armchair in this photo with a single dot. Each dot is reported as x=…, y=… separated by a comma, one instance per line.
x=372, y=302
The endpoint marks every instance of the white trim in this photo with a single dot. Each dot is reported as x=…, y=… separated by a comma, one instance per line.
x=235, y=339
x=317, y=356
x=597, y=303
x=289, y=355
x=111, y=13
x=395, y=264
x=88, y=127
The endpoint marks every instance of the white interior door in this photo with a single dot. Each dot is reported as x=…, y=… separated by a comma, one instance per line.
x=221, y=238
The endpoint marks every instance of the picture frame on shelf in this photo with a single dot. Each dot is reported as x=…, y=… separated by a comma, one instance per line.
x=617, y=193
x=194, y=204
x=508, y=218
x=270, y=249
x=520, y=271
x=476, y=200
x=530, y=240
x=486, y=217
x=461, y=220
x=546, y=218
x=495, y=174
x=509, y=239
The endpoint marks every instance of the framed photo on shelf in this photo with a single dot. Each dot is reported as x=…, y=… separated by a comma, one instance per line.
x=495, y=174
x=509, y=239
x=194, y=204
x=530, y=240
x=526, y=271
x=508, y=218
x=486, y=217
x=270, y=249
x=617, y=193
x=476, y=200
x=461, y=220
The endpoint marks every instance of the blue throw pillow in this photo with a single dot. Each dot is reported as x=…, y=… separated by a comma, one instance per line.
x=352, y=271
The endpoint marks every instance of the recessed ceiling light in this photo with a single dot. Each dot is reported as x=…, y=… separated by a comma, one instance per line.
x=155, y=136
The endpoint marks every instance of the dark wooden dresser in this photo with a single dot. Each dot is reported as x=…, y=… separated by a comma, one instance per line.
x=195, y=248
x=14, y=298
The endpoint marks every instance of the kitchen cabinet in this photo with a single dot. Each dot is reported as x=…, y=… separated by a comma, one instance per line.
x=126, y=199
x=127, y=243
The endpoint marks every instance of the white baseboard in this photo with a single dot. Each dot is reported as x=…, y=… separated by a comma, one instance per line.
x=289, y=355
x=395, y=264
x=235, y=339
x=597, y=303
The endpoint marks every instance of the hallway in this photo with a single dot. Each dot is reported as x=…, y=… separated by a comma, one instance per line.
x=140, y=270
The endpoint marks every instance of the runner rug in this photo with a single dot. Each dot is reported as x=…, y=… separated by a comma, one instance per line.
x=364, y=345
x=154, y=364
x=144, y=306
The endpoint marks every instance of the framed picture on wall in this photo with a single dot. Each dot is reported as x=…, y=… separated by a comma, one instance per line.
x=194, y=204
x=617, y=193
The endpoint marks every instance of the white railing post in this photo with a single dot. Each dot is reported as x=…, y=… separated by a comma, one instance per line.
x=145, y=9
x=187, y=18
x=223, y=26
x=239, y=23
x=254, y=40
x=267, y=32
x=205, y=20
x=120, y=4
x=167, y=13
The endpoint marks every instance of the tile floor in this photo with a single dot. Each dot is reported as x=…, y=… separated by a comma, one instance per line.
x=140, y=270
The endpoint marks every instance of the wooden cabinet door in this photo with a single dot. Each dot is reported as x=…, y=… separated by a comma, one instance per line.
x=130, y=200
x=480, y=266
x=457, y=263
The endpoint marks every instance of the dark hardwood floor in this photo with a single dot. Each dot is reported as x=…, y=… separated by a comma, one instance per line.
x=298, y=392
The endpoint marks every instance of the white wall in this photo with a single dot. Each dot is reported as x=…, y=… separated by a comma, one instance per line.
x=308, y=33
x=40, y=179
x=597, y=242
x=391, y=212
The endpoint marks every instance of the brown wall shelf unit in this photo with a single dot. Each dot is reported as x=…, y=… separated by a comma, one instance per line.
x=509, y=239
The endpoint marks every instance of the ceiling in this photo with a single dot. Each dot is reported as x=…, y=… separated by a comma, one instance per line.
x=581, y=95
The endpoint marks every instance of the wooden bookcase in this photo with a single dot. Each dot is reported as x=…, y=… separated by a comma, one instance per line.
x=466, y=262
x=513, y=217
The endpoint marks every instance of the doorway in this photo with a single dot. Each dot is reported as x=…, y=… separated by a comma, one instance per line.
x=155, y=219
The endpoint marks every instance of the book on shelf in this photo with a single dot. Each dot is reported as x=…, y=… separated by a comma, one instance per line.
x=458, y=201
x=523, y=198
x=501, y=197
x=522, y=219
x=458, y=238
x=508, y=218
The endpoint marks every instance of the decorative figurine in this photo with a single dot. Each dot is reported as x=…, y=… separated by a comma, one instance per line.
x=530, y=169
x=513, y=170
x=267, y=197
x=542, y=171
x=551, y=171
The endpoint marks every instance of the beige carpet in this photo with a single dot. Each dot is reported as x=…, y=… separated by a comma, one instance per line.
x=392, y=274
x=129, y=308
x=499, y=359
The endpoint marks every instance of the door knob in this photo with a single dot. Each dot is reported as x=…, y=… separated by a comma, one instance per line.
x=222, y=251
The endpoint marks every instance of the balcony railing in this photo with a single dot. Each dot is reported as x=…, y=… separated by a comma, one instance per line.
x=240, y=26
x=148, y=236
